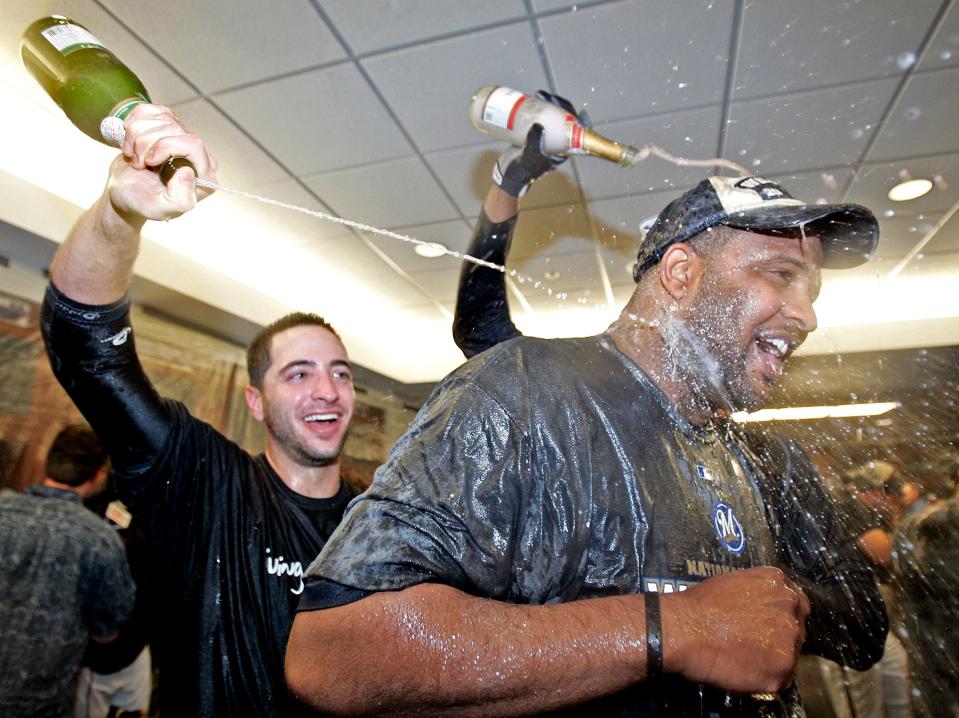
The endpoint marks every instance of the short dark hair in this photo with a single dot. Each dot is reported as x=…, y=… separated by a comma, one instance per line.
x=712, y=239
x=258, y=353
x=75, y=456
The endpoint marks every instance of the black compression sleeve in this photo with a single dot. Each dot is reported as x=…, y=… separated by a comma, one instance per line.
x=482, y=317
x=92, y=353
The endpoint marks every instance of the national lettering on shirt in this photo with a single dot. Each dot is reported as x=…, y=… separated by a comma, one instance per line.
x=279, y=566
x=700, y=569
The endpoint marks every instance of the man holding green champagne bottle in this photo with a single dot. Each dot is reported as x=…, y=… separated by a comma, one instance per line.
x=232, y=532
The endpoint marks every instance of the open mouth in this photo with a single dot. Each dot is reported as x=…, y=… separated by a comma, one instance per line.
x=773, y=354
x=323, y=423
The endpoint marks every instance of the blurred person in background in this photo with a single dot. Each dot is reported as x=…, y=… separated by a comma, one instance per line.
x=926, y=565
x=116, y=678
x=64, y=579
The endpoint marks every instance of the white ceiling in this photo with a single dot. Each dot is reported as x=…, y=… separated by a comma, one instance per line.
x=358, y=108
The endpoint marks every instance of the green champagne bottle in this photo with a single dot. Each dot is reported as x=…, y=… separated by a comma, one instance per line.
x=93, y=88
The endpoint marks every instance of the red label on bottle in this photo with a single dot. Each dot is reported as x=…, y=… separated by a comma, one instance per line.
x=512, y=113
x=576, y=136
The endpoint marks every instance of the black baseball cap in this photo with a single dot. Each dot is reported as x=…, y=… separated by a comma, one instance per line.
x=849, y=232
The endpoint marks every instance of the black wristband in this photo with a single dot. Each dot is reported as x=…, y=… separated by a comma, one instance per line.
x=654, y=636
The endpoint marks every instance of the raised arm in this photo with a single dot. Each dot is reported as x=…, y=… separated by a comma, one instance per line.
x=95, y=263
x=433, y=649
x=85, y=319
x=482, y=318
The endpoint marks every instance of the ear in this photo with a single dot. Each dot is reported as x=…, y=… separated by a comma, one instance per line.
x=254, y=402
x=680, y=269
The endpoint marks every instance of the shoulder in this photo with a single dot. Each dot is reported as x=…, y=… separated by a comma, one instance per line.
x=194, y=440
x=530, y=360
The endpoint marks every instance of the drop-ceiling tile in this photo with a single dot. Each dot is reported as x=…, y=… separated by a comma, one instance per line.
x=163, y=84
x=302, y=226
x=785, y=50
x=566, y=273
x=441, y=284
x=467, y=176
x=618, y=221
x=568, y=303
x=630, y=59
x=874, y=181
x=943, y=51
x=387, y=23
x=618, y=261
x=806, y=130
x=265, y=39
x=898, y=235
x=551, y=232
x=318, y=121
x=355, y=259
x=923, y=122
x=241, y=164
x=547, y=5
x=454, y=236
x=429, y=87
x=821, y=187
x=392, y=194
x=692, y=135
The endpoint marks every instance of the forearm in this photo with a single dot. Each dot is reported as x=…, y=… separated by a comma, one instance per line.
x=500, y=206
x=436, y=650
x=482, y=317
x=95, y=263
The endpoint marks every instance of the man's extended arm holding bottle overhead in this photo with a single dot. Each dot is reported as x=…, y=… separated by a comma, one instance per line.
x=91, y=273
x=482, y=318
x=95, y=263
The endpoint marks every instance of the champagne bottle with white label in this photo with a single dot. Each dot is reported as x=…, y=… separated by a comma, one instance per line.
x=508, y=115
x=93, y=88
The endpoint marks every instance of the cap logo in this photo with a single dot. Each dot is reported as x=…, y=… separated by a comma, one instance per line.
x=750, y=193
x=763, y=187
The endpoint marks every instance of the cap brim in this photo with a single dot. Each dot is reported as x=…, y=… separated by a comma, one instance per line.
x=849, y=233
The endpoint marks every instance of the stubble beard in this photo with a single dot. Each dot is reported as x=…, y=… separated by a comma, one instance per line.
x=284, y=432
x=703, y=351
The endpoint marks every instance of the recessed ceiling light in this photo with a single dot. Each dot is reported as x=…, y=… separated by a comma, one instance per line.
x=430, y=249
x=551, y=276
x=910, y=189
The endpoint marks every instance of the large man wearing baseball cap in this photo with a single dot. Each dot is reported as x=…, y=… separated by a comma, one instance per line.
x=573, y=525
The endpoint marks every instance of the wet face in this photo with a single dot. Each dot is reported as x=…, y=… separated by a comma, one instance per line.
x=306, y=400
x=750, y=310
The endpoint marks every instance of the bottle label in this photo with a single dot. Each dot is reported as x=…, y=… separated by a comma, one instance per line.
x=575, y=136
x=70, y=38
x=501, y=107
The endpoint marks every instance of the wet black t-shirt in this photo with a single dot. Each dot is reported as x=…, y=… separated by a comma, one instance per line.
x=547, y=471
x=230, y=540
